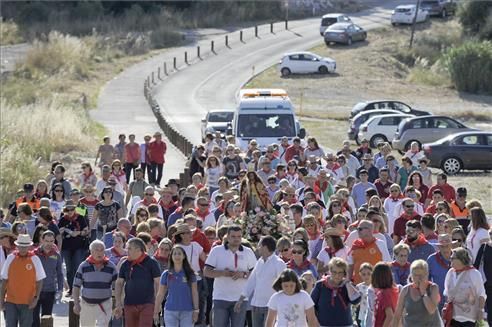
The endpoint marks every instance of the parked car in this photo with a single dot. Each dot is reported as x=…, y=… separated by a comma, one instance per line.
x=216, y=120
x=387, y=104
x=330, y=19
x=405, y=14
x=425, y=129
x=441, y=8
x=380, y=128
x=344, y=33
x=306, y=62
x=355, y=122
x=468, y=150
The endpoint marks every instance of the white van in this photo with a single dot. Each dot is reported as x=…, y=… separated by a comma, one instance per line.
x=330, y=19
x=265, y=115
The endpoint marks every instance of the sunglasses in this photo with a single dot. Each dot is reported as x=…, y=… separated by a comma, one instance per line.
x=285, y=250
x=83, y=167
x=457, y=240
x=297, y=252
x=69, y=210
x=360, y=229
x=108, y=192
x=149, y=194
x=144, y=215
x=335, y=206
x=409, y=206
x=271, y=182
x=394, y=191
x=203, y=204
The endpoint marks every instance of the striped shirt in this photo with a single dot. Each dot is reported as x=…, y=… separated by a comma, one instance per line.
x=96, y=284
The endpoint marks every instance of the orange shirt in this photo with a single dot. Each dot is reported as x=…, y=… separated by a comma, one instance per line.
x=33, y=203
x=21, y=274
x=370, y=254
x=457, y=212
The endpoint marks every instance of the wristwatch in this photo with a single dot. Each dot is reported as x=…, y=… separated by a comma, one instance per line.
x=245, y=275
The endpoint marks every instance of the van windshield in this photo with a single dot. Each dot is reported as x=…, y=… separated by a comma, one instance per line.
x=328, y=21
x=266, y=125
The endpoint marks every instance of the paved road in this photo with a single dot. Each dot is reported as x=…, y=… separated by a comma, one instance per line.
x=213, y=83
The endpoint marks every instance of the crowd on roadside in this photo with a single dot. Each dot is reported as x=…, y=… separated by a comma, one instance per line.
x=283, y=236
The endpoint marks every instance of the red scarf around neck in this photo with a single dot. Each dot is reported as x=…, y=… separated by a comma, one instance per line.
x=201, y=214
x=331, y=252
x=304, y=265
x=147, y=203
x=90, y=259
x=418, y=242
x=441, y=261
x=29, y=254
x=360, y=244
x=398, y=265
x=463, y=269
x=160, y=258
x=40, y=252
x=335, y=292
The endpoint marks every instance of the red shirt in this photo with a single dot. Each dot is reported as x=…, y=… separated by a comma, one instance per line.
x=157, y=151
x=292, y=151
x=381, y=188
x=400, y=229
x=199, y=237
x=385, y=298
x=132, y=152
x=447, y=190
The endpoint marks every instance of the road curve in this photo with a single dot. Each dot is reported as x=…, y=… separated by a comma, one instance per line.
x=186, y=96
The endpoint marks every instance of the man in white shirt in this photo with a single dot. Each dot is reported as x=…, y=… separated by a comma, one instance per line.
x=259, y=288
x=230, y=265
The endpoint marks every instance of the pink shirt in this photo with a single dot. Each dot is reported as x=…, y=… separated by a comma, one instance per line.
x=132, y=152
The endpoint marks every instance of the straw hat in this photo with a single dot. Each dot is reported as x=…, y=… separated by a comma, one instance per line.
x=182, y=229
x=23, y=240
x=331, y=231
x=5, y=231
x=444, y=240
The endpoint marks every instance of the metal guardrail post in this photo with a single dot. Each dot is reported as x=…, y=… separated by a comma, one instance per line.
x=159, y=73
x=198, y=52
x=227, y=40
x=174, y=64
x=186, y=57
x=212, y=46
x=256, y=31
x=153, y=81
x=241, y=36
x=165, y=68
x=286, y=24
x=271, y=27
x=73, y=319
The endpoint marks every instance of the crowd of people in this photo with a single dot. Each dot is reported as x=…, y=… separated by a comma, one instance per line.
x=283, y=236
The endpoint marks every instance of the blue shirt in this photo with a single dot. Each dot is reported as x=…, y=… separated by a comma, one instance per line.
x=421, y=252
x=178, y=291
x=438, y=268
x=359, y=192
x=400, y=274
x=171, y=220
x=139, y=281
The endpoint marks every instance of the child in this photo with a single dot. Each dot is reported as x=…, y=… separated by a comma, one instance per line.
x=361, y=215
x=179, y=281
x=365, y=273
x=308, y=281
x=401, y=267
x=290, y=306
x=425, y=171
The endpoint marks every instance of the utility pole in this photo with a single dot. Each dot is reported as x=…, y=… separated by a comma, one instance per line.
x=286, y=4
x=414, y=23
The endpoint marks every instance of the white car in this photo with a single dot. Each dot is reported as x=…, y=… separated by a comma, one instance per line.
x=330, y=19
x=306, y=63
x=405, y=14
x=380, y=128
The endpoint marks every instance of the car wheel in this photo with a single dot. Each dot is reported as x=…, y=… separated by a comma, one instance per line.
x=376, y=139
x=349, y=41
x=444, y=13
x=323, y=69
x=451, y=165
x=407, y=146
x=285, y=71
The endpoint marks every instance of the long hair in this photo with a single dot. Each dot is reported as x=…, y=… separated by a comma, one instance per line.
x=189, y=272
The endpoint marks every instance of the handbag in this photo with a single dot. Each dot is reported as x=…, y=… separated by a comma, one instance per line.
x=448, y=309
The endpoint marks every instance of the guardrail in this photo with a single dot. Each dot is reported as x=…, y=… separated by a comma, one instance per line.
x=160, y=73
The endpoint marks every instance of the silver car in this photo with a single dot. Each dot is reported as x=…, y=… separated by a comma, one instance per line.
x=344, y=33
x=425, y=129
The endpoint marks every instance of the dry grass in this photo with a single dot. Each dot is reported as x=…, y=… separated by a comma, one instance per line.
x=9, y=33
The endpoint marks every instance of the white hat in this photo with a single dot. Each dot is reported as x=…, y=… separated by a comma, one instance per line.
x=23, y=240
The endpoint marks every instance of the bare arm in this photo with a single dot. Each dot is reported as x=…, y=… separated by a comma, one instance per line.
x=159, y=298
x=399, y=308
x=119, y=213
x=120, y=282
x=194, y=295
x=3, y=287
x=389, y=317
x=156, y=286
x=212, y=273
x=431, y=302
x=271, y=316
x=311, y=318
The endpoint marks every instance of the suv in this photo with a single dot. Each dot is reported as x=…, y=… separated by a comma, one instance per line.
x=425, y=129
x=331, y=19
x=387, y=104
x=358, y=120
x=216, y=120
x=381, y=128
x=441, y=8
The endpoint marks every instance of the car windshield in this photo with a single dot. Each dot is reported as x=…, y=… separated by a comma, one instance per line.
x=337, y=27
x=220, y=117
x=328, y=21
x=266, y=125
x=403, y=10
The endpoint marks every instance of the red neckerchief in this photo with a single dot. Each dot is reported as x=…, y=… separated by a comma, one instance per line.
x=304, y=265
x=167, y=206
x=116, y=253
x=86, y=177
x=398, y=265
x=335, y=291
x=399, y=197
x=147, y=203
x=463, y=269
x=29, y=254
x=160, y=258
x=90, y=259
x=286, y=260
x=73, y=220
x=39, y=251
x=441, y=262
x=408, y=217
x=201, y=214
x=217, y=243
x=121, y=173
x=313, y=236
x=331, y=252
x=432, y=236
x=418, y=242
x=321, y=186
x=179, y=210
x=137, y=262
x=360, y=244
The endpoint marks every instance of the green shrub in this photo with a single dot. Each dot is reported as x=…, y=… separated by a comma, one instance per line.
x=470, y=66
x=9, y=33
x=474, y=15
x=164, y=37
x=431, y=44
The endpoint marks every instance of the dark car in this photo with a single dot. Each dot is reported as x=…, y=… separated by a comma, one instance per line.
x=467, y=150
x=344, y=33
x=441, y=8
x=387, y=104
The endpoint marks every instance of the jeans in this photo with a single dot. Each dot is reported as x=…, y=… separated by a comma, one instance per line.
x=210, y=288
x=145, y=167
x=155, y=168
x=202, y=300
x=44, y=307
x=139, y=315
x=455, y=323
x=178, y=318
x=259, y=316
x=129, y=167
x=224, y=315
x=72, y=259
x=17, y=315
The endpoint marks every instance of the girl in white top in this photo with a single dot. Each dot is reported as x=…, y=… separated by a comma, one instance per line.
x=334, y=248
x=464, y=287
x=290, y=306
x=213, y=171
x=479, y=231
